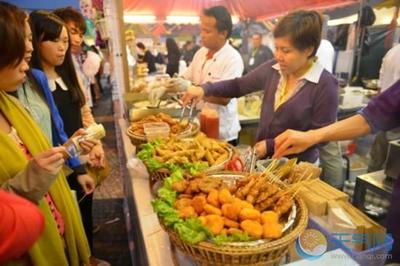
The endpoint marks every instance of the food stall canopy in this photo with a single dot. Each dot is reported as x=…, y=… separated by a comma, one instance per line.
x=255, y=9
x=44, y=4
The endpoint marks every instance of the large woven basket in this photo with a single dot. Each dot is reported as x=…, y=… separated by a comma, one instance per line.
x=138, y=140
x=266, y=253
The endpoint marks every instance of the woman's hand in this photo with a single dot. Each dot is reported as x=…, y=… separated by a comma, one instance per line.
x=86, y=144
x=50, y=161
x=87, y=183
x=261, y=149
x=194, y=93
x=292, y=142
x=96, y=156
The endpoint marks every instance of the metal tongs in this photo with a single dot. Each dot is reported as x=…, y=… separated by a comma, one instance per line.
x=187, y=119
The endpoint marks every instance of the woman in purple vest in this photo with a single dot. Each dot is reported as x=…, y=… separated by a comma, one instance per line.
x=298, y=92
x=381, y=114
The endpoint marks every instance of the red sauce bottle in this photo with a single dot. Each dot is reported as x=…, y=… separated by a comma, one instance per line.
x=209, y=123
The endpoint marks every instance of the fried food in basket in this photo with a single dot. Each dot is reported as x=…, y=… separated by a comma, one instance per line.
x=182, y=203
x=269, y=217
x=210, y=209
x=212, y=198
x=253, y=228
x=249, y=214
x=176, y=127
x=187, y=212
x=231, y=210
x=225, y=196
x=199, y=149
x=215, y=223
x=272, y=231
x=198, y=203
x=209, y=199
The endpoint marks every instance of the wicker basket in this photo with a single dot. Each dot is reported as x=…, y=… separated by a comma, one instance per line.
x=266, y=253
x=138, y=140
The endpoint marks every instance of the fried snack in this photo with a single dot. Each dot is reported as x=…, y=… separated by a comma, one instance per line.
x=272, y=231
x=255, y=189
x=207, y=184
x=193, y=187
x=262, y=206
x=231, y=210
x=249, y=214
x=187, y=212
x=221, y=157
x=253, y=228
x=180, y=186
x=198, y=203
x=185, y=196
x=182, y=203
x=232, y=231
x=230, y=224
x=283, y=205
x=245, y=204
x=175, y=126
x=203, y=219
x=243, y=191
x=214, y=223
x=269, y=191
x=269, y=217
x=224, y=196
x=212, y=198
x=208, y=208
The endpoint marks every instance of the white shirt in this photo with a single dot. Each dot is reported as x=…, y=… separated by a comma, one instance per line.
x=225, y=64
x=326, y=55
x=390, y=68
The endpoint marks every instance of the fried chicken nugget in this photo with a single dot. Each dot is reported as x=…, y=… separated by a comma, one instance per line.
x=232, y=231
x=213, y=198
x=230, y=224
x=187, y=212
x=182, y=203
x=246, y=204
x=203, y=220
x=272, y=231
x=249, y=214
x=253, y=228
x=224, y=196
x=198, y=203
x=180, y=186
x=208, y=208
x=214, y=223
x=269, y=217
x=231, y=210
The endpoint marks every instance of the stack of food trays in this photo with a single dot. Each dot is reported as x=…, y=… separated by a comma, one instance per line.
x=238, y=219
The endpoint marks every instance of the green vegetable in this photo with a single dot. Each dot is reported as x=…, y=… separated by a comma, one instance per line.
x=192, y=231
x=176, y=175
x=167, y=195
x=196, y=167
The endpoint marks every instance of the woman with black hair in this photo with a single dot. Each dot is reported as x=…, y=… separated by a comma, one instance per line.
x=52, y=55
x=174, y=55
x=29, y=166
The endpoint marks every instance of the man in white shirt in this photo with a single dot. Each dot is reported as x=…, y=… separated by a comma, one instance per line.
x=390, y=68
x=326, y=55
x=388, y=75
x=216, y=61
